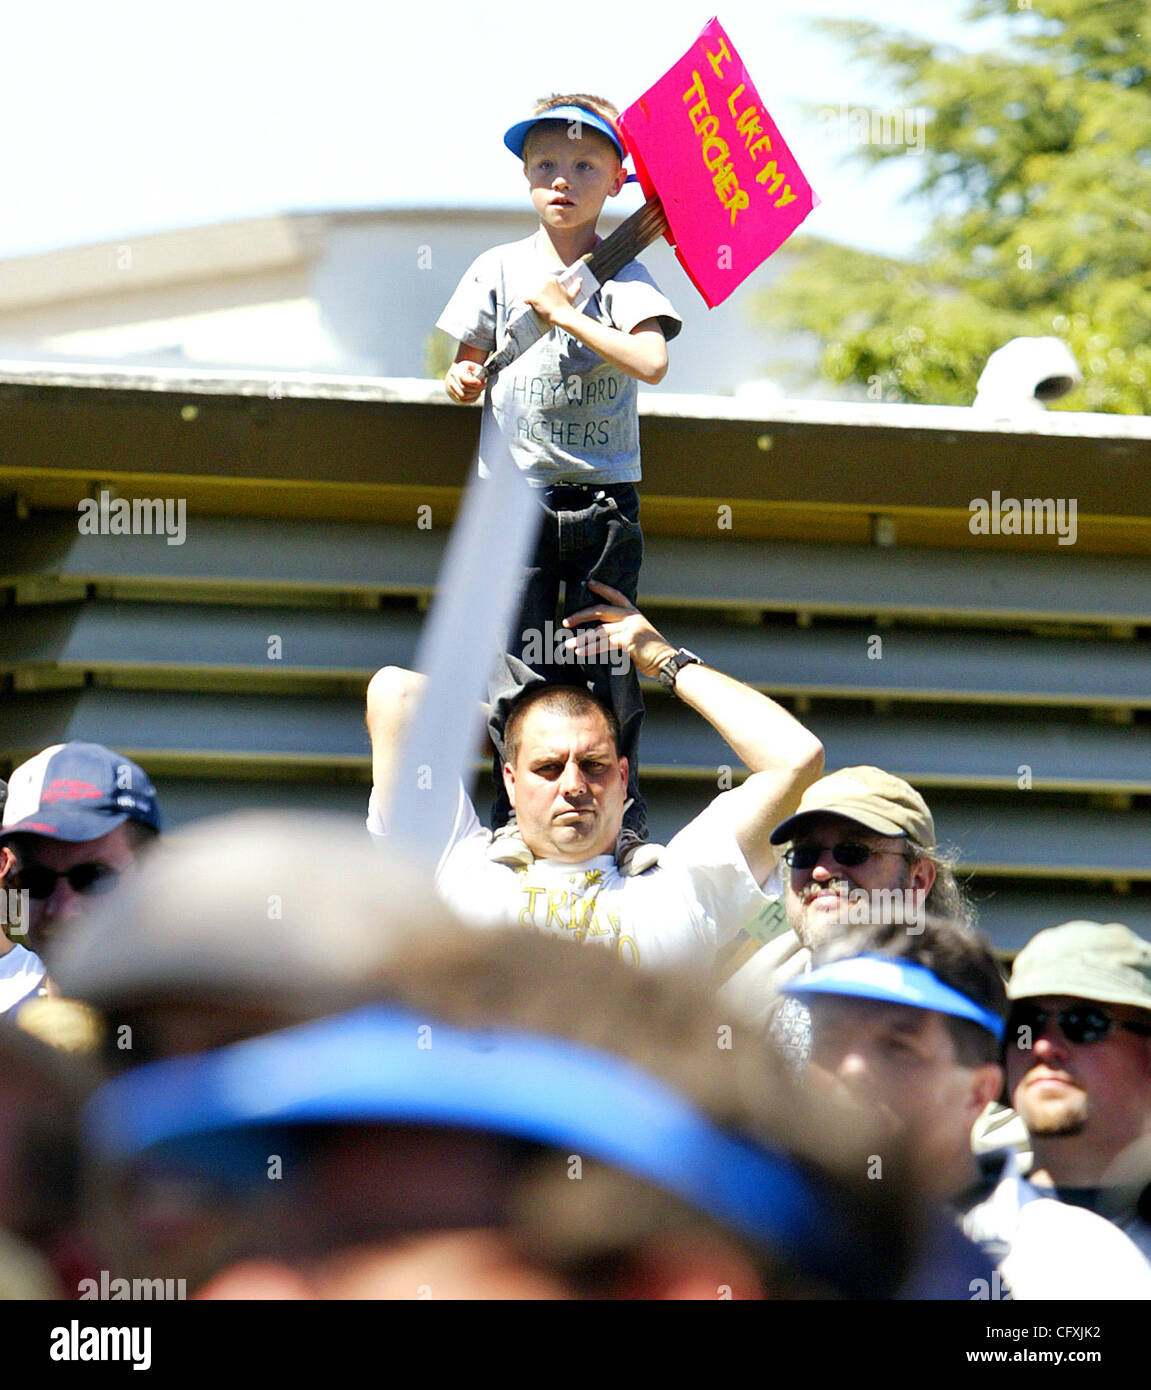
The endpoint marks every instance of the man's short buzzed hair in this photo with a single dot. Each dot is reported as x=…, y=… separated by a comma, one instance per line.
x=570, y=700
x=955, y=955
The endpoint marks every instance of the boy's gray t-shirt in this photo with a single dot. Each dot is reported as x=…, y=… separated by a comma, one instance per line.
x=567, y=415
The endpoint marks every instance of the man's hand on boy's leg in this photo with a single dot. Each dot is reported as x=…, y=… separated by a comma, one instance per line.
x=625, y=628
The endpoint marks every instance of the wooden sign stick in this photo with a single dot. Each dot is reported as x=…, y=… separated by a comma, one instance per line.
x=600, y=264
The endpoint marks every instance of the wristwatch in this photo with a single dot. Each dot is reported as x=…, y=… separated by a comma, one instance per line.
x=674, y=665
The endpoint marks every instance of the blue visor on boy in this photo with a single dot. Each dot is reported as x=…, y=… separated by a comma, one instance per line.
x=568, y=115
x=894, y=982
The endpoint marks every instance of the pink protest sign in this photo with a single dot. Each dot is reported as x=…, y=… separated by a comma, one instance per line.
x=704, y=145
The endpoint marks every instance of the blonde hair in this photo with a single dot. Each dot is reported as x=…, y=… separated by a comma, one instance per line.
x=599, y=106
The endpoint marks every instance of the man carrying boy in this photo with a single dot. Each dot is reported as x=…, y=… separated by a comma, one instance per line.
x=568, y=782
x=566, y=409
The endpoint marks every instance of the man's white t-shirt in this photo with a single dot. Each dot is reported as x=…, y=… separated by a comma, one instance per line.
x=1054, y=1250
x=21, y=971
x=679, y=912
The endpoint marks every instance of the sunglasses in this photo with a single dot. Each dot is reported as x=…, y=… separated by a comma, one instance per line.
x=1079, y=1023
x=848, y=855
x=40, y=881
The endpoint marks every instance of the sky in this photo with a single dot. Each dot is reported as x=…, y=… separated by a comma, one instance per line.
x=133, y=116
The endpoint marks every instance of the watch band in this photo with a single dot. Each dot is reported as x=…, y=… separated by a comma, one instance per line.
x=674, y=665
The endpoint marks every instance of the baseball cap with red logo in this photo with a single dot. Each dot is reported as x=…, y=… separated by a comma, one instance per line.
x=77, y=791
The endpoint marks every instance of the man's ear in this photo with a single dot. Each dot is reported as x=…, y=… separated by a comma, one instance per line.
x=510, y=783
x=986, y=1085
x=7, y=862
x=623, y=771
x=922, y=875
x=618, y=182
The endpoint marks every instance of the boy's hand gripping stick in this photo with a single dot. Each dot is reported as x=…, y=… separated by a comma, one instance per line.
x=606, y=259
x=529, y=328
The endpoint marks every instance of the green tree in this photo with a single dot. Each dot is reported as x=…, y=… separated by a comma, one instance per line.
x=1036, y=174
x=439, y=353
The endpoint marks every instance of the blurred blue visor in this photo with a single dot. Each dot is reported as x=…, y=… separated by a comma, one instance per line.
x=383, y=1065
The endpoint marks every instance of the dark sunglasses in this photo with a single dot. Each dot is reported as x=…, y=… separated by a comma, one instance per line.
x=40, y=881
x=849, y=854
x=1079, y=1023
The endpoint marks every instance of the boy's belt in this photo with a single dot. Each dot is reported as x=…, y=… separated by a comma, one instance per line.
x=589, y=489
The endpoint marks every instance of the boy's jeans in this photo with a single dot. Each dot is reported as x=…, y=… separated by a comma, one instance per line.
x=587, y=533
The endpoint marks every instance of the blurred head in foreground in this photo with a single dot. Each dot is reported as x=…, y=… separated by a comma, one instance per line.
x=515, y=1117
x=41, y=1090
x=240, y=925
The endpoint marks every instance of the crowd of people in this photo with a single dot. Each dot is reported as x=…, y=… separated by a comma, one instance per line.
x=277, y=1057
x=270, y=1056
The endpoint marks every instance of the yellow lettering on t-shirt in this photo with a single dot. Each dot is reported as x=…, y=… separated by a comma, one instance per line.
x=528, y=914
x=553, y=910
x=582, y=909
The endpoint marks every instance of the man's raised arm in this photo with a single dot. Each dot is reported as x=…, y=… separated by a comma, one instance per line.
x=393, y=693
x=392, y=696
x=783, y=756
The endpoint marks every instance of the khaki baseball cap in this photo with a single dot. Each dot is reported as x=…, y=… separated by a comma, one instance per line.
x=877, y=800
x=1101, y=961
